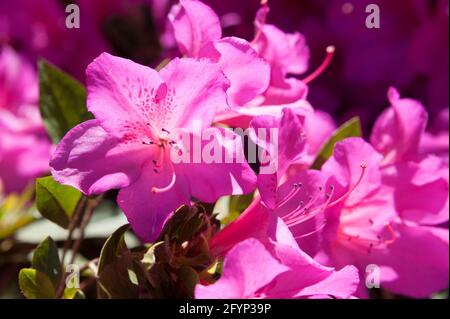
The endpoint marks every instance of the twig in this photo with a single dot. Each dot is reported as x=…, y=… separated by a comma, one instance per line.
x=88, y=206
x=72, y=225
x=91, y=206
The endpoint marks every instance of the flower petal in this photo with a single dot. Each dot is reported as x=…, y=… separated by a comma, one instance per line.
x=198, y=90
x=249, y=75
x=124, y=96
x=146, y=211
x=195, y=25
x=248, y=267
x=398, y=130
x=221, y=169
x=289, y=144
x=419, y=257
x=93, y=161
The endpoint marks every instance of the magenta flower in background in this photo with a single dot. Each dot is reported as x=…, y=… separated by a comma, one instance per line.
x=24, y=146
x=198, y=34
x=287, y=54
x=38, y=30
x=139, y=114
x=256, y=73
x=397, y=134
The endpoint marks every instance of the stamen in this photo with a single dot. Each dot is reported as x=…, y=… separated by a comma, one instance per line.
x=165, y=131
x=340, y=199
x=152, y=129
x=300, y=218
x=291, y=194
x=312, y=232
x=156, y=190
x=326, y=62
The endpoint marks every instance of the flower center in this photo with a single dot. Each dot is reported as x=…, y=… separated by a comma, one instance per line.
x=164, y=143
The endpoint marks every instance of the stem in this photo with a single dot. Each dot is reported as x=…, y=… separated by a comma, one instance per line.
x=86, y=209
x=91, y=206
x=72, y=225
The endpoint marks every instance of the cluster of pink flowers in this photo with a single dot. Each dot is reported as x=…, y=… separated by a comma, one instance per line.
x=307, y=233
x=24, y=146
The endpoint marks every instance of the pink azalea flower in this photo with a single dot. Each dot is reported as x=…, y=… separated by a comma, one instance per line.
x=287, y=54
x=398, y=134
x=254, y=270
x=398, y=130
x=198, y=34
x=24, y=146
x=371, y=226
x=392, y=224
x=350, y=214
x=140, y=117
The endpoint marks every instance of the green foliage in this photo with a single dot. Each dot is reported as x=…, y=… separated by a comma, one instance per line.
x=56, y=202
x=119, y=273
x=228, y=208
x=62, y=101
x=351, y=128
x=114, y=246
x=46, y=260
x=41, y=281
x=35, y=284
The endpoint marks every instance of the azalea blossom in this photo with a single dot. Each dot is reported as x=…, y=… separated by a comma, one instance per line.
x=139, y=117
x=198, y=34
x=370, y=227
x=251, y=67
x=24, y=146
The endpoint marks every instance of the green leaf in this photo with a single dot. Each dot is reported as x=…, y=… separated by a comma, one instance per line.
x=114, y=246
x=56, y=202
x=119, y=279
x=62, y=100
x=228, y=208
x=46, y=260
x=35, y=284
x=351, y=128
